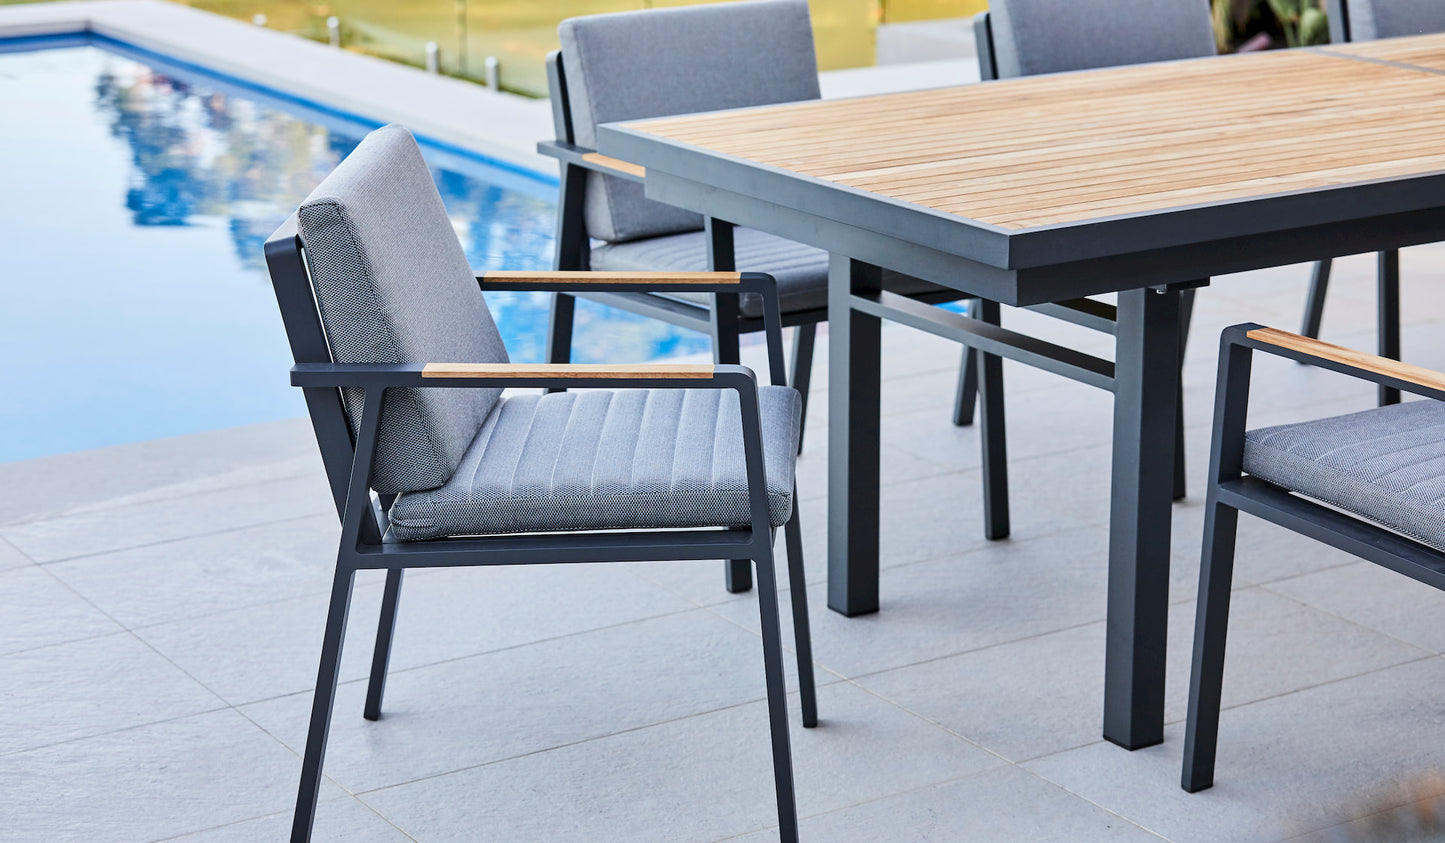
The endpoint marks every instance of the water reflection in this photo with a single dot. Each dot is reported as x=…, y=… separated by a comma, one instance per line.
x=202, y=155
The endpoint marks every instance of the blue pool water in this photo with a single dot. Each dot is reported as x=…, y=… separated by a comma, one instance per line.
x=134, y=198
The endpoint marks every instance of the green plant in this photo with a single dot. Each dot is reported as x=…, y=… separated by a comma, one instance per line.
x=1242, y=25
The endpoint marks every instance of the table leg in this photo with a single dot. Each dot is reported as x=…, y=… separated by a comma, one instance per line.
x=854, y=355
x=1145, y=403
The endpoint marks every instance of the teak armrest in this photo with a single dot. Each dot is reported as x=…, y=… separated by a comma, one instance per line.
x=1382, y=370
x=591, y=159
x=569, y=370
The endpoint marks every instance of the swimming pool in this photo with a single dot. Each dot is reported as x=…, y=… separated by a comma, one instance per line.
x=135, y=195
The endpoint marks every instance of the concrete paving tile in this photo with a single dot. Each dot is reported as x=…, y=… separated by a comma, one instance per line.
x=700, y=778
x=208, y=574
x=1033, y=423
x=1374, y=597
x=272, y=650
x=1006, y=806
x=1420, y=821
x=106, y=530
x=70, y=691
x=1004, y=592
x=150, y=783
x=344, y=820
x=1045, y=694
x=447, y=717
x=269, y=650
x=11, y=557
x=1287, y=765
x=53, y=485
x=39, y=610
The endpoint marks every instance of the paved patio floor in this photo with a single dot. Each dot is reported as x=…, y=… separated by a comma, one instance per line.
x=163, y=606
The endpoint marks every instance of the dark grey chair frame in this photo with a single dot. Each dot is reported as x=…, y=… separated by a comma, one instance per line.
x=364, y=522
x=1231, y=491
x=723, y=320
x=1088, y=313
x=1387, y=309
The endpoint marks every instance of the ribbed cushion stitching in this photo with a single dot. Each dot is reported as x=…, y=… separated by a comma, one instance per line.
x=1386, y=465
x=602, y=460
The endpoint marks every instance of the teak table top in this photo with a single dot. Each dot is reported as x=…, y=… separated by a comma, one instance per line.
x=1036, y=152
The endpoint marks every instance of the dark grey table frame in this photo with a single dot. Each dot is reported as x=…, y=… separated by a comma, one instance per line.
x=1147, y=258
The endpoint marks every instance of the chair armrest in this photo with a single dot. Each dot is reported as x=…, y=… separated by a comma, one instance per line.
x=591, y=159
x=563, y=281
x=487, y=375
x=628, y=282
x=1338, y=358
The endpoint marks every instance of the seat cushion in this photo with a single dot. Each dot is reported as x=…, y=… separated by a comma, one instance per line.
x=393, y=286
x=610, y=460
x=801, y=271
x=1387, y=464
x=1051, y=36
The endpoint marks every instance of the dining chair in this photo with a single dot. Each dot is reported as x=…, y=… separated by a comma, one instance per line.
x=1368, y=483
x=666, y=61
x=430, y=465
x=1026, y=37
x=1363, y=20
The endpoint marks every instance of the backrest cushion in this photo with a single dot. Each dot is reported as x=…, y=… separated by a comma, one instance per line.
x=659, y=62
x=1391, y=18
x=1051, y=36
x=393, y=286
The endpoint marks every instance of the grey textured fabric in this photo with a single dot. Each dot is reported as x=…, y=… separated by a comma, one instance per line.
x=1391, y=18
x=393, y=286
x=1052, y=36
x=1387, y=464
x=658, y=62
x=607, y=460
x=801, y=271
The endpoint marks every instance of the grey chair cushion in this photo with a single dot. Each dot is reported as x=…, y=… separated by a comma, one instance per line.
x=1387, y=464
x=606, y=460
x=801, y=271
x=1051, y=36
x=393, y=286
x=1390, y=18
x=658, y=62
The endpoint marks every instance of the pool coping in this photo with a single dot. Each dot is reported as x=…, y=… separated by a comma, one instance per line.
x=501, y=127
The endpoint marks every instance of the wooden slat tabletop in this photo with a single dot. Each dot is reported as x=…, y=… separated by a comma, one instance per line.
x=1426, y=51
x=1049, y=150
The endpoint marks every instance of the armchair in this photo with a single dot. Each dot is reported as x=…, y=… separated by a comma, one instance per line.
x=634, y=65
x=431, y=465
x=1367, y=483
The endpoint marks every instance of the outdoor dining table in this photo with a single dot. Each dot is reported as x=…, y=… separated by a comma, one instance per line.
x=1142, y=181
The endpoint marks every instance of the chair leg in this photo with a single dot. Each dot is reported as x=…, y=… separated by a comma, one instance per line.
x=802, y=635
x=559, y=330
x=1315, y=301
x=777, y=697
x=1388, y=316
x=1186, y=315
x=321, y=704
x=381, y=655
x=738, y=573
x=1211, y=623
x=804, y=338
x=966, y=394
x=992, y=435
